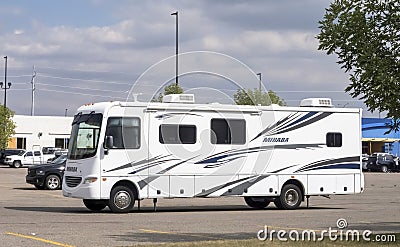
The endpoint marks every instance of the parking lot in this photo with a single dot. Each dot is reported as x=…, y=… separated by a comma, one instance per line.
x=30, y=217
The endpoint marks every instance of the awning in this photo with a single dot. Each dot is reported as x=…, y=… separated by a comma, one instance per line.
x=380, y=139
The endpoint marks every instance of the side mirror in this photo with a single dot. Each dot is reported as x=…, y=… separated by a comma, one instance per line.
x=108, y=142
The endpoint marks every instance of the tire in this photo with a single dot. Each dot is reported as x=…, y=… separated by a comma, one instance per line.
x=39, y=187
x=384, y=169
x=257, y=202
x=121, y=199
x=95, y=205
x=52, y=182
x=17, y=164
x=290, y=197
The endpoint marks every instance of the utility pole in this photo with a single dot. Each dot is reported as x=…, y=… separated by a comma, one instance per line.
x=33, y=91
x=176, y=47
x=259, y=82
x=6, y=85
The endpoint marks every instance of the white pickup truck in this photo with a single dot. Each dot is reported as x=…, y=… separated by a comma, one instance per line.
x=27, y=158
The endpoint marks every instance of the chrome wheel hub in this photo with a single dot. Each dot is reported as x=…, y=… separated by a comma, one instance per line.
x=291, y=197
x=122, y=199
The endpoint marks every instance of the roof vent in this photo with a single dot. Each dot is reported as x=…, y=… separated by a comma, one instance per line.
x=178, y=98
x=316, y=102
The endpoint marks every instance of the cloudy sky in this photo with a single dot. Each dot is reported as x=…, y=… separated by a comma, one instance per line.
x=97, y=50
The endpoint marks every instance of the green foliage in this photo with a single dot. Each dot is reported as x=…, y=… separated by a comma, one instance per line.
x=173, y=88
x=257, y=97
x=365, y=35
x=7, y=126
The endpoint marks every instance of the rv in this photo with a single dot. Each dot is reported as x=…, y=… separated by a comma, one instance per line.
x=123, y=152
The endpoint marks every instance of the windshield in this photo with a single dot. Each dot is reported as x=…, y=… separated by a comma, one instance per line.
x=21, y=153
x=84, y=135
x=59, y=160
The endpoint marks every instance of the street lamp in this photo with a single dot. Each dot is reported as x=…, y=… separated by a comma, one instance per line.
x=176, y=47
x=6, y=85
x=259, y=83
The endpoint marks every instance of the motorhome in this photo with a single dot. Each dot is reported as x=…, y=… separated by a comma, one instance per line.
x=123, y=152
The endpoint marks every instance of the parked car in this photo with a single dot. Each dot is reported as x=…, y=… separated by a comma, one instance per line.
x=364, y=160
x=27, y=158
x=47, y=176
x=7, y=152
x=383, y=162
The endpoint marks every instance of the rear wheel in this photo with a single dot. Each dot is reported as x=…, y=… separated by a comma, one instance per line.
x=290, y=197
x=122, y=199
x=52, y=182
x=17, y=164
x=257, y=202
x=384, y=169
x=95, y=205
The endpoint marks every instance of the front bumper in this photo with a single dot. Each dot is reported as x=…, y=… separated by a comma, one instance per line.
x=35, y=180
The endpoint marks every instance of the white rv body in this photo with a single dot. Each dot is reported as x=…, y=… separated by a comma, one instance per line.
x=173, y=150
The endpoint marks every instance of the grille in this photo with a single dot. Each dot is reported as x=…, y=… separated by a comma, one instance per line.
x=72, y=181
x=31, y=172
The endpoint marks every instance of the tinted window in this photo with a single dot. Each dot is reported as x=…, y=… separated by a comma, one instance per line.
x=177, y=134
x=37, y=153
x=125, y=132
x=334, y=139
x=228, y=131
x=29, y=154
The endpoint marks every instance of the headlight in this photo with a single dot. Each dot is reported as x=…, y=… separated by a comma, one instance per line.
x=39, y=172
x=90, y=180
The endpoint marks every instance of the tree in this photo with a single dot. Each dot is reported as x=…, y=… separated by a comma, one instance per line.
x=365, y=35
x=173, y=88
x=250, y=97
x=7, y=126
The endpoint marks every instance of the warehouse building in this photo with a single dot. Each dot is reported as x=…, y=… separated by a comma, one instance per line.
x=374, y=139
x=41, y=131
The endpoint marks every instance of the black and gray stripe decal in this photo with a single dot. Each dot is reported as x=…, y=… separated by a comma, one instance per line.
x=142, y=183
x=146, y=162
x=219, y=159
x=292, y=122
x=344, y=163
x=240, y=188
x=216, y=188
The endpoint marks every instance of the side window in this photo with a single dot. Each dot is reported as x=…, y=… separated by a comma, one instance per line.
x=334, y=139
x=125, y=132
x=228, y=131
x=177, y=134
x=36, y=153
x=28, y=154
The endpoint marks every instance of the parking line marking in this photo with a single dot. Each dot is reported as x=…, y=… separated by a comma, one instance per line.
x=177, y=233
x=39, y=239
x=291, y=228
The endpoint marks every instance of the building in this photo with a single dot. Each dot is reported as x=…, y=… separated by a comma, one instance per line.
x=40, y=131
x=374, y=139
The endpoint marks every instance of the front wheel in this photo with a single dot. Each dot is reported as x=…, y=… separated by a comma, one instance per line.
x=121, y=200
x=384, y=169
x=95, y=205
x=290, y=197
x=53, y=182
x=257, y=202
x=17, y=164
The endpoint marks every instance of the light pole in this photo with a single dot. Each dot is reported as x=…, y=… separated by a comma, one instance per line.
x=176, y=47
x=6, y=85
x=259, y=83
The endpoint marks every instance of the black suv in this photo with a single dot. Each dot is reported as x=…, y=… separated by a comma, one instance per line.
x=383, y=162
x=6, y=152
x=47, y=176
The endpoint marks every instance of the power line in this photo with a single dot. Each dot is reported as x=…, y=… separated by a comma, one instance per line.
x=77, y=79
x=85, y=94
x=81, y=88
